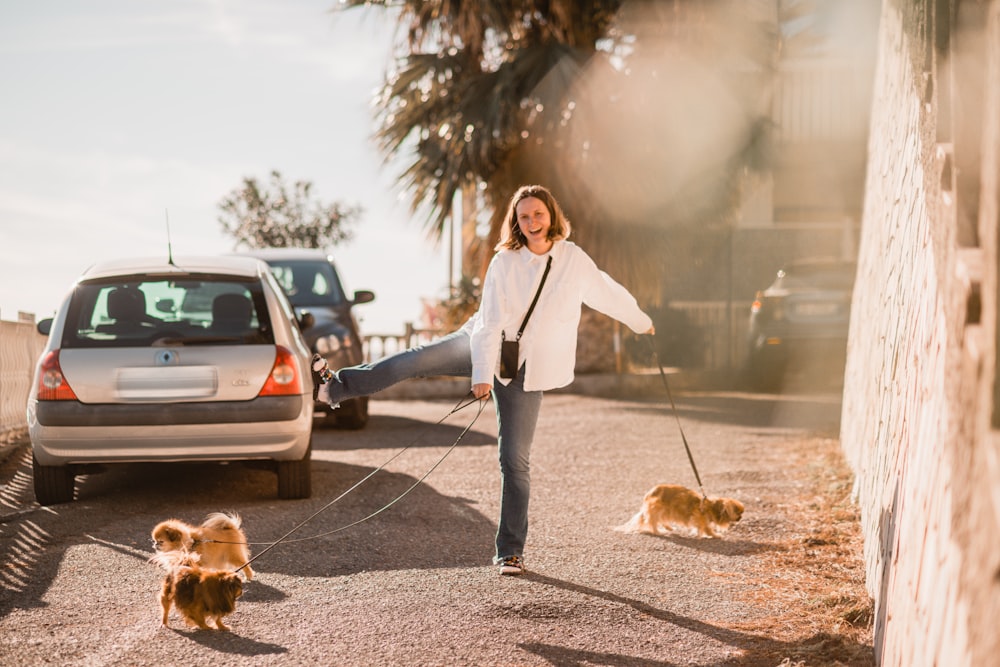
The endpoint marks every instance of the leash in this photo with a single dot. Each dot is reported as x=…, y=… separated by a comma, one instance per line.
x=677, y=416
x=284, y=538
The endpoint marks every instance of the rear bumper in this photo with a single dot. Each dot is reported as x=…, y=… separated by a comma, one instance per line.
x=74, y=413
x=71, y=432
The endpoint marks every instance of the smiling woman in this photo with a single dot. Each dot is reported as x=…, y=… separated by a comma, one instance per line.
x=533, y=243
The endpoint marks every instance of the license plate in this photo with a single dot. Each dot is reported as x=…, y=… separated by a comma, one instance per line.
x=167, y=383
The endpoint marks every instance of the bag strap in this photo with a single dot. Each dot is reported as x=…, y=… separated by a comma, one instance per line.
x=524, y=322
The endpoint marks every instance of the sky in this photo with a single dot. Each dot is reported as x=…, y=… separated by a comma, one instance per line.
x=118, y=115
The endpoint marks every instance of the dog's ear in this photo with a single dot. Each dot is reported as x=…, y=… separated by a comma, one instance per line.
x=734, y=509
x=223, y=595
x=235, y=586
x=714, y=508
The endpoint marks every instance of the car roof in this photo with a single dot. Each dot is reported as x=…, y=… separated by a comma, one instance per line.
x=287, y=253
x=228, y=264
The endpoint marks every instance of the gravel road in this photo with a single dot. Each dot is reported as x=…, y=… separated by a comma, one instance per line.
x=414, y=584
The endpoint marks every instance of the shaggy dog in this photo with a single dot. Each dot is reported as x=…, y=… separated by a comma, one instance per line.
x=219, y=541
x=200, y=594
x=670, y=506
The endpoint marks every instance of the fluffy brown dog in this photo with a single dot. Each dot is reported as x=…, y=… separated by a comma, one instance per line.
x=219, y=541
x=200, y=594
x=669, y=506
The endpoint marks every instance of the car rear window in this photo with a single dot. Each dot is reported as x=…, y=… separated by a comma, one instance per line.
x=137, y=311
x=308, y=282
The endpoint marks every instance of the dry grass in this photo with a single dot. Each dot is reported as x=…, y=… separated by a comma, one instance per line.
x=814, y=575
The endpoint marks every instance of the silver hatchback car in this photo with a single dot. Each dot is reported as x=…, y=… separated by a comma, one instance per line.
x=198, y=359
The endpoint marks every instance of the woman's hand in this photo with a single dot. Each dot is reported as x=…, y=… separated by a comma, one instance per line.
x=482, y=390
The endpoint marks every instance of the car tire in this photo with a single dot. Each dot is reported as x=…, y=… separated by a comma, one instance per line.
x=53, y=484
x=295, y=477
x=351, y=415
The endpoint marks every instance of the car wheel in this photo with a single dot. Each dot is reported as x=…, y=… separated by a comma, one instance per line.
x=295, y=477
x=53, y=484
x=352, y=414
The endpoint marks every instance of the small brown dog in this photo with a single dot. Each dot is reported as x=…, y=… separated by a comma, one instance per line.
x=200, y=594
x=219, y=541
x=669, y=506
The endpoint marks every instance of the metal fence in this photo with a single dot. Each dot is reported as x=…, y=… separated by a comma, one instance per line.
x=20, y=346
x=378, y=345
x=722, y=326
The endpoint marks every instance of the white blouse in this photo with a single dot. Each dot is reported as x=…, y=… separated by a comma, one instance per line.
x=548, y=345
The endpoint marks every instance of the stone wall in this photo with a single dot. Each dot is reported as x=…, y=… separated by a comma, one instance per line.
x=918, y=399
x=20, y=347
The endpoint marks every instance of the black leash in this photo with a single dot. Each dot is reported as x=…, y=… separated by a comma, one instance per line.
x=687, y=447
x=284, y=538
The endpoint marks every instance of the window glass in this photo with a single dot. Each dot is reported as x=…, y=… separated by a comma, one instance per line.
x=308, y=282
x=195, y=310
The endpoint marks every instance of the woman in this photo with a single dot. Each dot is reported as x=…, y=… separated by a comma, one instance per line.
x=534, y=230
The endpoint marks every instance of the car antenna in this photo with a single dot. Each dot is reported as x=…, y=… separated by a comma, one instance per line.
x=170, y=251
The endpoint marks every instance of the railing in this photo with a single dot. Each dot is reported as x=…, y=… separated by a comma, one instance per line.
x=380, y=345
x=724, y=335
x=20, y=346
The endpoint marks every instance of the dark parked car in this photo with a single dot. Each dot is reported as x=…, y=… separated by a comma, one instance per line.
x=312, y=283
x=800, y=322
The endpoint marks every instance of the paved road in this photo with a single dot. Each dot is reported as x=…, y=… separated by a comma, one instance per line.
x=413, y=585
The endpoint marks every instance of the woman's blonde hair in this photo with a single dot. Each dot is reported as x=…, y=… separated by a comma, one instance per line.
x=510, y=234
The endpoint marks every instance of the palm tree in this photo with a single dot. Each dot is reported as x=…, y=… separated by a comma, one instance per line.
x=586, y=96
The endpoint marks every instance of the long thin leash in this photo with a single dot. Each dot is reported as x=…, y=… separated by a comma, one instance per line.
x=284, y=538
x=687, y=447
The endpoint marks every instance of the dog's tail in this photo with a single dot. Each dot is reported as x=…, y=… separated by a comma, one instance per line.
x=632, y=525
x=222, y=521
x=171, y=560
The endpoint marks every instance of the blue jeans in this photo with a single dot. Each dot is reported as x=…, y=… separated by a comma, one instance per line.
x=450, y=355
x=517, y=416
x=516, y=409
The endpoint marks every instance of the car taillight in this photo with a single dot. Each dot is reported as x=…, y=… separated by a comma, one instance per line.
x=284, y=379
x=52, y=384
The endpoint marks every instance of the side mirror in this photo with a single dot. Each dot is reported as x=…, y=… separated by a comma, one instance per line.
x=363, y=296
x=44, y=326
x=306, y=320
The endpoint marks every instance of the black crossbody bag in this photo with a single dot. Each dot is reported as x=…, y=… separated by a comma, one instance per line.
x=509, y=349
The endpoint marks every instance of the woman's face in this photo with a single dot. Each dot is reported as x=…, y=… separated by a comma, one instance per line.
x=534, y=221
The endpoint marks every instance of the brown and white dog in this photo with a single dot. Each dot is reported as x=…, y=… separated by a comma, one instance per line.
x=219, y=541
x=670, y=506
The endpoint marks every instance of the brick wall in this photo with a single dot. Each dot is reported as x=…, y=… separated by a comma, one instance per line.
x=918, y=399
